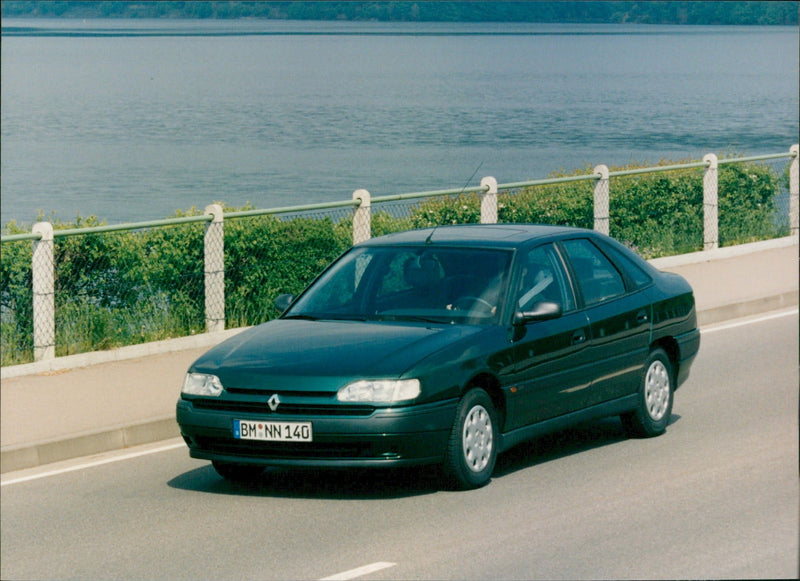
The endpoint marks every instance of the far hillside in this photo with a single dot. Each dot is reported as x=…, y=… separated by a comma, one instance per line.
x=703, y=13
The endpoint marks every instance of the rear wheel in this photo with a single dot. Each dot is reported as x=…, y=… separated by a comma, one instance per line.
x=654, y=405
x=239, y=473
x=472, y=449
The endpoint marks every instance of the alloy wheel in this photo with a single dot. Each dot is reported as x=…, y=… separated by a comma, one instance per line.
x=657, y=390
x=478, y=438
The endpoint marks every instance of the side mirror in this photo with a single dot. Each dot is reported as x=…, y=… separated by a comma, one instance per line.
x=543, y=311
x=283, y=302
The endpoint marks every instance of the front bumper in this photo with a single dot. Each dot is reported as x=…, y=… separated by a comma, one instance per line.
x=386, y=436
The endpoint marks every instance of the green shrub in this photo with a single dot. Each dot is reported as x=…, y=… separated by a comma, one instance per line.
x=16, y=299
x=565, y=204
x=747, y=204
x=384, y=223
x=265, y=257
x=462, y=209
x=657, y=214
x=130, y=287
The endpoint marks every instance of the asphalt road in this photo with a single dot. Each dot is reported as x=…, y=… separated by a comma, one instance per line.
x=715, y=497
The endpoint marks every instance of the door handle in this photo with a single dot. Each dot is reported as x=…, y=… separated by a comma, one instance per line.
x=641, y=317
x=578, y=337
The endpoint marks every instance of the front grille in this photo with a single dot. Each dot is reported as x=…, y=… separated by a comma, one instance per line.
x=269, y=392
x=261, y=408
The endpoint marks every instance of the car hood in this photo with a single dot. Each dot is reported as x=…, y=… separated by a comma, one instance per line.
x=299, y=355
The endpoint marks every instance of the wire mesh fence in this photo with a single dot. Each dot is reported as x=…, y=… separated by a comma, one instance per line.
x=109, y=289
x=269, y=255
x=124, y=288
x=138, y=284
x=16, y=303
x=779, y=203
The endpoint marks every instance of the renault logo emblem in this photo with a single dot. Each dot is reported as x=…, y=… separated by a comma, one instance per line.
x=273, y=402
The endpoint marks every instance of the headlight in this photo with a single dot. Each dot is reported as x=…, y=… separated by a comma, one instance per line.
x=202, y=384
x=380, y=391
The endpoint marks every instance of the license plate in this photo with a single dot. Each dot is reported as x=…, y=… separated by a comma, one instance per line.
x=272, y=431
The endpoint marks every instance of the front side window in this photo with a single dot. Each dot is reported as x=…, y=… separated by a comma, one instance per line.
x=598, y=279
x=431, y=283
x=543, y=280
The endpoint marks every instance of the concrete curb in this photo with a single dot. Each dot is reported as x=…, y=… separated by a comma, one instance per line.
x=747, y=308
x=31, y=455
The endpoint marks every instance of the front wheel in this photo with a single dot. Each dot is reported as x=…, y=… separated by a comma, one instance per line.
x=654, y=405
x=472, y=449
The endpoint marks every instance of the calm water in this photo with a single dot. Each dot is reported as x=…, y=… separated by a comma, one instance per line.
x=131, y=120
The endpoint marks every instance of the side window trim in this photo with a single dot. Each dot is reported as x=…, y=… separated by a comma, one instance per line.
x=573, y=279
x=570, y=287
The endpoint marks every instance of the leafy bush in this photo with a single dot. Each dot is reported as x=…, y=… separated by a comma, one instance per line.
x=565, y=204
x=130, y=287
x=265, y=257
x=16, y=300
x=462, y=209
x=658, y=214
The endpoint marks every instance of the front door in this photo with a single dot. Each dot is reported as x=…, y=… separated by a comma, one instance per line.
x=550, y=364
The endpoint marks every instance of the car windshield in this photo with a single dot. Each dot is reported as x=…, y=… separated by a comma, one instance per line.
x=410, y=283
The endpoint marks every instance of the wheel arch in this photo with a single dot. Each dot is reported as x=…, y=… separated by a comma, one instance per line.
x=491, y=385
x=671, y=348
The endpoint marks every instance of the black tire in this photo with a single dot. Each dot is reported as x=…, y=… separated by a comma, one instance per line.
x=472, y=449
x=238, y=473
x=655, y=396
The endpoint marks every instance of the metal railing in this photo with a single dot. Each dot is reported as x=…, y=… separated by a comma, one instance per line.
x=43, y=234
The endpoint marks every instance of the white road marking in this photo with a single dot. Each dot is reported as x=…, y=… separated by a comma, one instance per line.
x=360, y=571
x=748, y=321
x=107, y=458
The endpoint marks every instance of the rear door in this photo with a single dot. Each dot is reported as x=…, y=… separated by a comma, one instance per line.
x=619, y=317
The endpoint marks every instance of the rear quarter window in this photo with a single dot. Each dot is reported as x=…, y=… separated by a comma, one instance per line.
x=636, y=273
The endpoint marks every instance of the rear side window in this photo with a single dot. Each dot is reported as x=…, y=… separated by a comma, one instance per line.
x=598, y=279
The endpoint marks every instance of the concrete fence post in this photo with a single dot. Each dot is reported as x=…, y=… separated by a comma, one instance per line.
x=214, y=269
x=794, y=191
x=601, y=199
x=44, y=305
x=710, y=202
x=489, y=201
x=362, y=220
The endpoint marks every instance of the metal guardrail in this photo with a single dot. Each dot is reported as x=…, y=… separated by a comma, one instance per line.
x=109, y=228
x=596, y=176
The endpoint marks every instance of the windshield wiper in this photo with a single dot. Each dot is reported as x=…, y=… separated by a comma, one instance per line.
x=343, y=317
x=301, y=317
x=326, y=317
x=416, y=318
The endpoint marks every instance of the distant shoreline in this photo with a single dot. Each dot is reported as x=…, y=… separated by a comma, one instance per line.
x=741, y=13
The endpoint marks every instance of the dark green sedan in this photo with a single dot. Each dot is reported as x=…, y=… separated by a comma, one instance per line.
x=446, y=345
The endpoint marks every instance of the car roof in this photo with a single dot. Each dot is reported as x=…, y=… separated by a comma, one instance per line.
x=486, y=235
